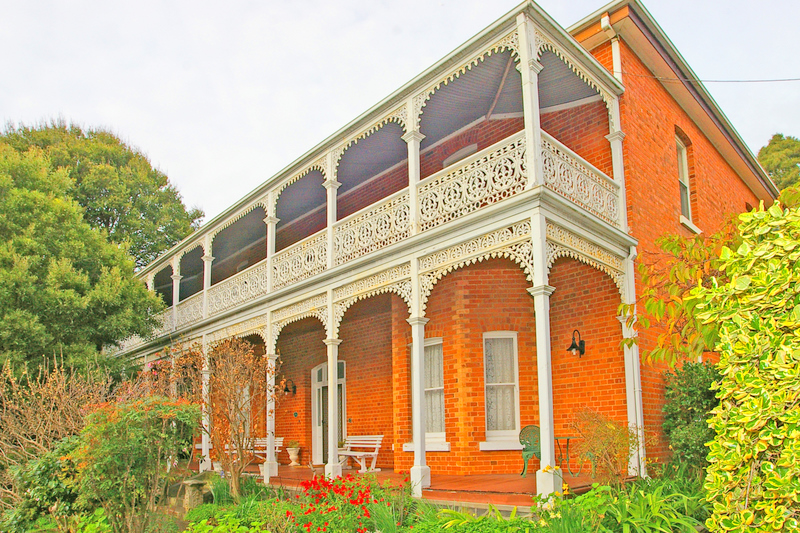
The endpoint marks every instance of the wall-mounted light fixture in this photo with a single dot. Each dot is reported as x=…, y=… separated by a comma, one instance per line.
x=289, y=389
x=577, y=347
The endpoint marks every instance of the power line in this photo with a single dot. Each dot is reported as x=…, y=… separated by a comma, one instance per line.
x=694, y=80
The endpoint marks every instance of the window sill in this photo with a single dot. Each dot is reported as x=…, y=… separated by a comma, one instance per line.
x=496, y=445
x=437, y=446
x=689, y=225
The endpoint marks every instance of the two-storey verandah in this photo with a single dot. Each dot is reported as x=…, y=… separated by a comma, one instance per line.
x=491, y=166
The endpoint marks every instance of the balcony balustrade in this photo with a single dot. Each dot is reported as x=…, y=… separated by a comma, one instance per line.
x=477, y=182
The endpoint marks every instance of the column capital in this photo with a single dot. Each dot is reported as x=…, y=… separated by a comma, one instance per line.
x=176, y=277
x=628, y=332
x=535, y=66
x=413, y=135
x=332, y=342
x=207, y=258
x=331, y=184
x=270, y=219
x=615, y=136
x=418, y=320
x=541, y=290
x=272, y=357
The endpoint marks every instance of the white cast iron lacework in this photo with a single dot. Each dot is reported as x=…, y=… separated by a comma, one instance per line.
x=316, y=306
x=396, y=280
x=513, y=242
x=134, y=341
x=251, y=326
x=508, y=42
x=563, y=243
x=382, y=225
x=320, y=164
x=586, y=187
x=485, y=180
x=303, y=260
x=543, y=43
x=190, y=310
x=238, y=289
x=399, y=116
x=166, y=326
x=372, y=282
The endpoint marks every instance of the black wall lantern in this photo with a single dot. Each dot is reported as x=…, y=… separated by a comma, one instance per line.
x=577, y=347
x=289, y=389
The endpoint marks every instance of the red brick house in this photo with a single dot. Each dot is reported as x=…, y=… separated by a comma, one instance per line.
x=438, y=252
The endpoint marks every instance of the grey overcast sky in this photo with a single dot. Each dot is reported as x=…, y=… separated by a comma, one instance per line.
x=222, y=95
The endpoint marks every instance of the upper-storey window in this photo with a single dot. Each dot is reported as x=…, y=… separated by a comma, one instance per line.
x=686, y=180
x=683, y=179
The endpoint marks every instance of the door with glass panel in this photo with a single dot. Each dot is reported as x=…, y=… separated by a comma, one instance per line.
x=319, y=410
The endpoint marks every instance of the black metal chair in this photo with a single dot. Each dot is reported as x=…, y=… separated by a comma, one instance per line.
x=531, y=445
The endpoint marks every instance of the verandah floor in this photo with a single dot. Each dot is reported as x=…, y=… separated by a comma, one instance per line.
x=496, y=489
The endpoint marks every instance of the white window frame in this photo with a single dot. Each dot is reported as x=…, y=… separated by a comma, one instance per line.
x=502, y=439
x=683, y=180
x=434, y=441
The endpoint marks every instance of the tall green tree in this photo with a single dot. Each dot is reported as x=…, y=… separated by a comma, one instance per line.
x=64, y=288
x=781, y=159
x=115, y=184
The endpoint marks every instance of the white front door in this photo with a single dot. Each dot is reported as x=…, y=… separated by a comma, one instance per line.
x=319, y=410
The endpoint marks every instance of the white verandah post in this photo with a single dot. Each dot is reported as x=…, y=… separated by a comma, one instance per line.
x=420, y=473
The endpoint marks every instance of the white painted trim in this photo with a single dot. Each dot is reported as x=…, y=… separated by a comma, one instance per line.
x=503, y=435
x=690, y=226
x=430, y=446
x=570, y=105
x=497, y=445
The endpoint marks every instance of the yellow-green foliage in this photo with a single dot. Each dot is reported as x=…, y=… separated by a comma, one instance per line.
x=753, y=481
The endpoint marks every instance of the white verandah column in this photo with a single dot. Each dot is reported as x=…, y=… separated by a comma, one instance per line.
x=420, y=473
x=176, y=291
x=547, y=479
x=529, y=68
x=205, y=446
x=270, y=467
x=633, y=380
x=332, y=467
x=413, y=138
x=208, y=259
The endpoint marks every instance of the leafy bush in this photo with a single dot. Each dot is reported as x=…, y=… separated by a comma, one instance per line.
x=753, y=481
x=125, y=452
x=47, y=485
x=689, y=401
x=607, y=443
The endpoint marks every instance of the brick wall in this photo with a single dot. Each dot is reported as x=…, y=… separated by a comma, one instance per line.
x=492, y=296
x=354, y=200
x=583, y=130
x=483, y=134
x=650, y=118
x=367, y=334
x=302, y=348
x=585, y=299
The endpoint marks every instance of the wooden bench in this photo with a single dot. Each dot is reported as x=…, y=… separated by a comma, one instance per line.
x=361, y=447
x=259, y=447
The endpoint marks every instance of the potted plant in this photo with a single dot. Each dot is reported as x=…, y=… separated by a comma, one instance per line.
x=293, y=448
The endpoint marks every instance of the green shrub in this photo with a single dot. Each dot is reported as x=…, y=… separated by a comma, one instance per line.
x=689, y=401
x=126, y=450
x=48, y=486
x=753, y=481
x=202, y=512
